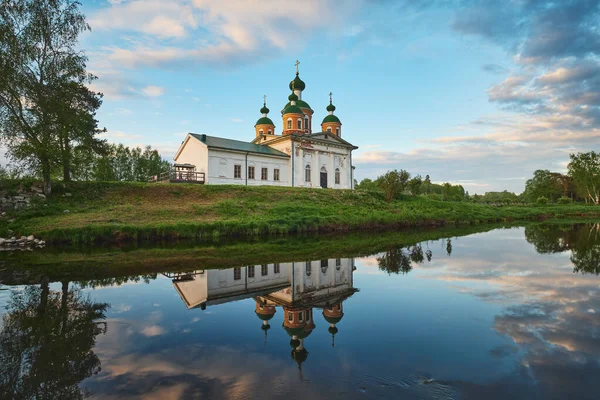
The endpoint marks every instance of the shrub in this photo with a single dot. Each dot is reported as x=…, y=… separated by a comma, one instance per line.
x=542, y=200
x=565, y=200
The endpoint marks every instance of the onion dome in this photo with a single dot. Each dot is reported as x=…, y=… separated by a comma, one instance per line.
x=331, y=118
x=304, y=334
x=294, y=343
x=299, y=356
x=264, y=317
x=294, y=331
x=297, y=83
x=292, y=97
x=299, y=103
x=264, y=109
x=264, y=121
x=292, y=109
x=333, y=320
x=333, y=330
x=266, y=327
x=330, y=107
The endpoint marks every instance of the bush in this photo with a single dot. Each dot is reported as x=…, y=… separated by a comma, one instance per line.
x=542, y=200
x=565, y=200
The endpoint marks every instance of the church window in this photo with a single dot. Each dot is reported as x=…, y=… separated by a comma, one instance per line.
x=307, y=316
x=337, y=176
x=300, y=316
x=289, y=123
x=339, y=307
x=276, y=268
x=329, y=129
x=337, y=131
x=307, y=173
x=237, y=171
x=338, y=262
x=261, y=132
x=270, y=132
x=264, y=270
x=237, y=273
x=306, y=123
x=251, y=271
x=308, y=268
x=299, y=124
x=290, y=316
x=324, y=264
x=276, y=174
x=250, y=172
x=264, y=174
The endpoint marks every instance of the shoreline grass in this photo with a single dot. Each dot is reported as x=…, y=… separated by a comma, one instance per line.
x=115, y=212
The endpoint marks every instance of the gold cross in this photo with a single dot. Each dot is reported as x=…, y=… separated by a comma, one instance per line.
x=297, y=63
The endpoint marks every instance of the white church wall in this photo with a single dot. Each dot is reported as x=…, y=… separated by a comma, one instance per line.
x=196, y=153
x=221, y=167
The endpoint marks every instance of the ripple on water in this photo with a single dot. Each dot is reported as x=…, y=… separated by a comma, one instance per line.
x=409, y=386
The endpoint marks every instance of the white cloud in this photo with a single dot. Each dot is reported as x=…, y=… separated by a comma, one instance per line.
x=153, y=91
x=153, y=330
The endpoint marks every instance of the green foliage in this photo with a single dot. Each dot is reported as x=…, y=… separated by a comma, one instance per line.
x=367, y=184
x=46, y=107
x=120, y=163
x=504, y=197
x=543, y=184
x=542, y=200
x=415, y=184
x=564, y=200
x=584, y=169
x=393, y=183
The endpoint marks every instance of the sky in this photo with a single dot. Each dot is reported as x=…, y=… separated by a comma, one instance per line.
x=477, y=93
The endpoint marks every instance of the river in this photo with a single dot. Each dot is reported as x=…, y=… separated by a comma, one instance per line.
x=505, y=313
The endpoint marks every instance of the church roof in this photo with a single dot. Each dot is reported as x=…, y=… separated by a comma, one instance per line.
x=237, y=145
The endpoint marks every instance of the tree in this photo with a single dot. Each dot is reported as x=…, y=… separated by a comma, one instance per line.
x=399, y=259
x=393, y=183
x=46, y=343
x=414, y=185
x=584, y=169
x=544, y=184
x=42, y=82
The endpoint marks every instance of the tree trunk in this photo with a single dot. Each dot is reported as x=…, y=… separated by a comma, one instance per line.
x=66, y=160
x=64, y=311
x=45, y=286
x=46, y=177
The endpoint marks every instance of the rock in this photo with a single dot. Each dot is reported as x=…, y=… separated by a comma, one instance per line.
x=30, y=238
x=2, y=240
x=41, y=195
x=4, y=214
x=13, y=238
x=66, y=211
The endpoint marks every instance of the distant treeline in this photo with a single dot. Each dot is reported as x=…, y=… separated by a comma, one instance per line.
x=581, y=183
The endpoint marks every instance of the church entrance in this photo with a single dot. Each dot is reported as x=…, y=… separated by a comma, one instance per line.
x=323, y=178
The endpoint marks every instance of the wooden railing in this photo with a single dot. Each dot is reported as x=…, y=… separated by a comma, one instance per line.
x=179, y=177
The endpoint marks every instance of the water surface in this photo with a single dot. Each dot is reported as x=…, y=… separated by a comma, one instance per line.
x=509, y=313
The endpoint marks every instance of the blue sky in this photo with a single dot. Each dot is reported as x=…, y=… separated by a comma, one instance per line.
x=479, y=93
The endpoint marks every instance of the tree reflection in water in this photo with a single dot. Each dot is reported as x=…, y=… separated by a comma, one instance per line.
x=582, y=240
x=46, y=343
x=400, y=259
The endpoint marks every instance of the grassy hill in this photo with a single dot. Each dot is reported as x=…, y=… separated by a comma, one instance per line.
x=101, y=212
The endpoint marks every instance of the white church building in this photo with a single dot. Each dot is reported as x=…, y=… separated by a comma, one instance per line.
x=297, y=157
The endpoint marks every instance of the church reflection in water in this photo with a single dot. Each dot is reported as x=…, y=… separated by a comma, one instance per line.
x=298, y=288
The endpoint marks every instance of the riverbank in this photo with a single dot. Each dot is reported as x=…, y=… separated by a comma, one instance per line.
x=98, y=212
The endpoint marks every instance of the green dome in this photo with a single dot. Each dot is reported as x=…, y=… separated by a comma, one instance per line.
x=304, y=334
x=292, y=110
x=300, y=356
x=264, y=110
x=294, y=343
x=300, y=103
x=333, y=330
x=293, y=97
x=264, y=121
x=333, y=320
x=331, y=118
x=297, y=83
x=330, y=107
x=293, y=331
x=267, y=327
x=264, y=317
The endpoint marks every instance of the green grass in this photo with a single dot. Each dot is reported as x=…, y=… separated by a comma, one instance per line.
x=116, y=212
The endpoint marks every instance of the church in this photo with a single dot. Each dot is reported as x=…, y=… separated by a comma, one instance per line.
x=297, y=156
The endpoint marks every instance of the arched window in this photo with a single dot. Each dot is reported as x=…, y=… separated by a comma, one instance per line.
x=337, y=176
x=270, y=132
x=306, y=123
x=289, y=123
x=337, y=131
x=329, y=129
x=324, y=264
x=307, y=173
x=261, y=132
x=299, y=124
x=308, y=268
